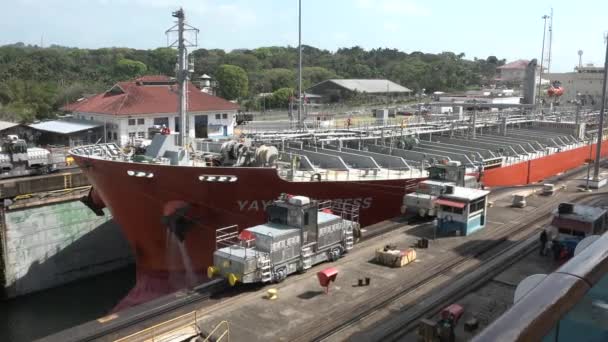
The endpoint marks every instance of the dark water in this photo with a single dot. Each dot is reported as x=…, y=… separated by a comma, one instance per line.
x=40, y=314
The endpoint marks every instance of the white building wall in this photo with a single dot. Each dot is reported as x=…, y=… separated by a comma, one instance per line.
x=125, y=132
x=588, y=84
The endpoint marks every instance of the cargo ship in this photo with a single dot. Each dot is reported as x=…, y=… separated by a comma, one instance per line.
x=169, y=212
x=171, y=199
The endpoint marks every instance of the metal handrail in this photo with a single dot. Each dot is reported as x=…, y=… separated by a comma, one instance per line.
x=538, y=312
x=226, y=332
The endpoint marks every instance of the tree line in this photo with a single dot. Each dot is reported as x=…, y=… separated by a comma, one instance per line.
x=35, y=82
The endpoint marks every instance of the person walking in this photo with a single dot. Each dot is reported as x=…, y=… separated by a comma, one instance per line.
x=543, y=242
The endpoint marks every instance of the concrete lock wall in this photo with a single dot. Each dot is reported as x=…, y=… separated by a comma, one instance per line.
x=50, y=245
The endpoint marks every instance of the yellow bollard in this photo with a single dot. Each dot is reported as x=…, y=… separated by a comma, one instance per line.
x=271, y=294
x=232, y=279
x=211, y=271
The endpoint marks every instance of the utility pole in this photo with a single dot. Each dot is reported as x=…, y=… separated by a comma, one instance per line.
x=300, y=63
x=542, y=57
x=600, y=132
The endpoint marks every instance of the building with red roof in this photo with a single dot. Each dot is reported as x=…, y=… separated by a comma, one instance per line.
x=512, y=73
x=129, y=109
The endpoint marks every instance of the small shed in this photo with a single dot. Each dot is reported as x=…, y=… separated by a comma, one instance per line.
x=68, y=132
x=461, y=210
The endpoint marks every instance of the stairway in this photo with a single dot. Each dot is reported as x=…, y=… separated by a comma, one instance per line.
x=265, y=268
x=306, y=257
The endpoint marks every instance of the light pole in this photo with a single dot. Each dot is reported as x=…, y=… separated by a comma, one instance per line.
x=542, y=57
x=600, y=132
x=300, y=63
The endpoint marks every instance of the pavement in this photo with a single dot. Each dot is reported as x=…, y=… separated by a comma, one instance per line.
x=302, y=305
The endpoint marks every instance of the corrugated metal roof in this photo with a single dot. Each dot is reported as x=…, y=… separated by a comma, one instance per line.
x=369, y=86
x=6, y=125
x=65, y=127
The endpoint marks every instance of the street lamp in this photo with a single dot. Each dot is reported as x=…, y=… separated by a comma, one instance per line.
x=542, y=57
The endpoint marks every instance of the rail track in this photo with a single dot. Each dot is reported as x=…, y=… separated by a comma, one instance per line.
x=518, y=231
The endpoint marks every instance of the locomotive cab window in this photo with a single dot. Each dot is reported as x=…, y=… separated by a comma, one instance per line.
x=277, y=214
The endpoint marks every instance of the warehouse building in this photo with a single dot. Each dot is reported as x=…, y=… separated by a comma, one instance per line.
x=338, y=90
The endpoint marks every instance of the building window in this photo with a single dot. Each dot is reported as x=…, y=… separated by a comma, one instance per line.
x=161, y=121
x=131, y=135
x=177, y=120
x=115, y=136
x=131, y=122
x=141, y=121
x=141, y=135
x=109, y=135
x=224, y=116
x=91, y=118
x=217, y=116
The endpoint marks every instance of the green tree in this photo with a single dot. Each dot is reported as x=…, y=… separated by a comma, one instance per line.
x=233, y=82
x=280, y=97
x=314, y=75
x=128, y=68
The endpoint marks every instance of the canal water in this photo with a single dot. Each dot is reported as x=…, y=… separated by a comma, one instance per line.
x=43, y=313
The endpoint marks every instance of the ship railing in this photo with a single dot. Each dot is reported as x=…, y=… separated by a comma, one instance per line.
x=347, y=211
x=359, y=174
x=560, y=304
x=226, y=237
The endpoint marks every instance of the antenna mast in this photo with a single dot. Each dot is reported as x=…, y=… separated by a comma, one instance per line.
x=550, y=41
x=183, y=71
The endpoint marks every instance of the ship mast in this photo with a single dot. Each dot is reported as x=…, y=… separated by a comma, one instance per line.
x=183, y=72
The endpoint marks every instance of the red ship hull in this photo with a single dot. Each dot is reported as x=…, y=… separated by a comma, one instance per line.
x=138, y=204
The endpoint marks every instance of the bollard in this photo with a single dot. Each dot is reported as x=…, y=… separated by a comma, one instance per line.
x=272, y=294
x=367, y=280
x=360, y=282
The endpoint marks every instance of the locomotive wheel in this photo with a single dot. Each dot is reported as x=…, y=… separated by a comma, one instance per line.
x=280, y=275
x=334, y=254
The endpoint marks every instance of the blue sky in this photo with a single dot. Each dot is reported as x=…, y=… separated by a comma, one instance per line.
x=507, y=29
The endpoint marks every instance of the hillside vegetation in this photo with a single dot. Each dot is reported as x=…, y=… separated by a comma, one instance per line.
x=35, y=82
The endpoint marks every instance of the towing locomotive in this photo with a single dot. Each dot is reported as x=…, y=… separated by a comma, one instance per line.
x=300, y=233
x=17, y=160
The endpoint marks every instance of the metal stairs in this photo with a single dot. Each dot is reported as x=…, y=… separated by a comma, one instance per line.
x=306, y=257
x=349, y=240
x=265, y=268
